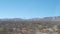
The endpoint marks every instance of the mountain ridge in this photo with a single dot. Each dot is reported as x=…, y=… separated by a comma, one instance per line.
x=57, y=18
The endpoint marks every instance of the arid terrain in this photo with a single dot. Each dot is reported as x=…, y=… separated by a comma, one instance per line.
x=47, y=25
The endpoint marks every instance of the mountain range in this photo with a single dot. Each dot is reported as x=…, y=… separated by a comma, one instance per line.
x=46, y=20
x=55, y=18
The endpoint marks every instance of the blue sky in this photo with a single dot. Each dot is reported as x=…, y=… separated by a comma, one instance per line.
x=29, y=8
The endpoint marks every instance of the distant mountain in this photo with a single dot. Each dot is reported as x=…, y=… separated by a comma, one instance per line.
x=55, y=18
x=12, y=19
x=46, y=20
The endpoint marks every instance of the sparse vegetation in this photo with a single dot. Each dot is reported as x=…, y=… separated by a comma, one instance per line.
x=28, y=27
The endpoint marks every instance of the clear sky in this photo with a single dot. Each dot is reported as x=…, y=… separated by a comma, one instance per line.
x=29, y=8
